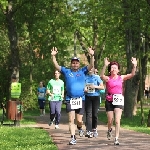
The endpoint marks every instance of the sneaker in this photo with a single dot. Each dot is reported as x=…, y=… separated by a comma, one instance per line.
x=109, y=134
x=56, y=127
x=116, y=142
x=89, y=134
x=72, y=142
x=81, y=132
x=51, y=123
x=95, y=133
x=44, y=112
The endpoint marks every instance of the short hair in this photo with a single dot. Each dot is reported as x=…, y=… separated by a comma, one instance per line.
x=13, y=76
x=113, y=63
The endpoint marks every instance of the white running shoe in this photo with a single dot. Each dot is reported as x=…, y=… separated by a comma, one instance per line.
x=56, y=127
x=116, y=142
x=95, y=133
x=72, y=142
x=81, y=132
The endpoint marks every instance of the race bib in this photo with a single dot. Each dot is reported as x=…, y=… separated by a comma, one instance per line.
x=41, y=95
x=56, y=89
x=118, y=99
x=89, y=89
x=76, y=103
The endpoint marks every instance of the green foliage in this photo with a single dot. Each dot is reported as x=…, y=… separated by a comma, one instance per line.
x=40, y=25
x=29, y=99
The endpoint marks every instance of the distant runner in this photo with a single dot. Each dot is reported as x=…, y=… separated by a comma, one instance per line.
x=55, y=90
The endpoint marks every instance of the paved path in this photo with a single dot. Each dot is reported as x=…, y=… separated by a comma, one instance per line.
x=129, y=140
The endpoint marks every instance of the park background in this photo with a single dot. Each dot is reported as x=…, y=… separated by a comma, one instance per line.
x=116, y=29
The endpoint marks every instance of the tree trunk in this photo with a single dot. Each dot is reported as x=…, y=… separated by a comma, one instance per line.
x=132, y=45
x=13, y=38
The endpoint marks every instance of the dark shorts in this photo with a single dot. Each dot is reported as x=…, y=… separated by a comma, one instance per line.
x=110, y=107
x=41, y=104
x=77, y=111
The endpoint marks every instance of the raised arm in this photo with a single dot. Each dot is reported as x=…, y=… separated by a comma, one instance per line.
x=128, y=76
x=102, y=74
x=53, y=54
x=91, y=53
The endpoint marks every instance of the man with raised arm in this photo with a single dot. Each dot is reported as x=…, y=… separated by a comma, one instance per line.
x=75, y=83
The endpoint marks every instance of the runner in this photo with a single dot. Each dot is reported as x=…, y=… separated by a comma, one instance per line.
x=114, y=88
x=75, y=83
x=55, y=90
x=41, y=92
x=92, y=102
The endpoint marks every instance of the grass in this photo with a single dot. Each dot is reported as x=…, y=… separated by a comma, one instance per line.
x=133, y=123
x=19, y=138
x=27, y=117
x=25, y=139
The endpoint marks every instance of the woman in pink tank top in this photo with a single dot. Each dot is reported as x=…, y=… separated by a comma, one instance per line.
x=114, y=97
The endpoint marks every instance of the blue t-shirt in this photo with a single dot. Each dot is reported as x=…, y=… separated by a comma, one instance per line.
x=42, y=92
x=75, y=82
x=95, y=80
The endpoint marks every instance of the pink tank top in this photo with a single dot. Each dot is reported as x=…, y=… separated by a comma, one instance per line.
x=114, y=86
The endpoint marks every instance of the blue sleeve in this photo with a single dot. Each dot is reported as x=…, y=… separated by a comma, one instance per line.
x=85, y=70
x=63, y=70
x=99, y=81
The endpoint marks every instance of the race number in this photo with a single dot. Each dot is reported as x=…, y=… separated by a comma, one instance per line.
x=56, y=89
x=41, y=95
x=89, y=89
x=118, y=99
x=76, y=103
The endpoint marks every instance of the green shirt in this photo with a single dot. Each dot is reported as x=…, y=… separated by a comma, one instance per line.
x=56, y=87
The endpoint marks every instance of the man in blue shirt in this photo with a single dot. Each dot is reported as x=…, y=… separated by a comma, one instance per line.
x=75, y=83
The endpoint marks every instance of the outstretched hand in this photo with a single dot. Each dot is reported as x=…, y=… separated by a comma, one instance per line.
x=54, y=51
x=134, y=61
x=90, y=51
x=106, y=61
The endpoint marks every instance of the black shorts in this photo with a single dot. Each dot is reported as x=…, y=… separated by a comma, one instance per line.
x=77, y=111
x=110, y=107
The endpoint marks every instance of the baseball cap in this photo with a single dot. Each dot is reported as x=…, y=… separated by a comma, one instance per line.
x=75, y=58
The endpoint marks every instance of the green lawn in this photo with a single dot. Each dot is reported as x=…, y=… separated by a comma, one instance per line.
x=19, y=138
x=16, y=138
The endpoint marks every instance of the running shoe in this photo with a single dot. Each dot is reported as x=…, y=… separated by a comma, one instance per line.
x=72, y=142
x=56, y=127
x=81, y=132
x=89, y=134
x=95, y=133
x=116, y=142
x=44, y=112
x=51, y=123
x=109, y=134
